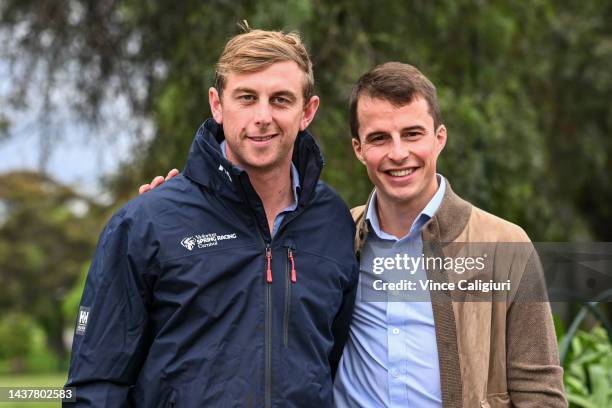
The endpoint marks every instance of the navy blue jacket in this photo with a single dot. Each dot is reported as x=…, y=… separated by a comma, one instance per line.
x=190, y=303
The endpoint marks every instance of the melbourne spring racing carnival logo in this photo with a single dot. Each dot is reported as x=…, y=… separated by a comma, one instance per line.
x=205, y=240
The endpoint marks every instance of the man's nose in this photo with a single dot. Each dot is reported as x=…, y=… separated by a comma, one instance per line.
x=400, y=150
x=263, y=114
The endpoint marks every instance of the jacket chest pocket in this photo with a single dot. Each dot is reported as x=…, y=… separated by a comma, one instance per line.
x=290, y=280
x=314, y=284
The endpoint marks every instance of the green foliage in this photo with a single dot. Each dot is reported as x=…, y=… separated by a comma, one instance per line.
x=47, y=233
x=41, y=359
x=55, y=380
x=524, y=87
x=14, y=327
x=70, y=305
x=23, y=345
x=588, y=370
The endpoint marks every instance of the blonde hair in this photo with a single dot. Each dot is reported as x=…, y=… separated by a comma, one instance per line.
x=255, y=50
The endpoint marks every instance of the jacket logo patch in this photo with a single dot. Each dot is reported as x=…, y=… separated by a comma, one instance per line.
x=82, y=320
x=188, y=243
x=221, y=168
x=205, y=240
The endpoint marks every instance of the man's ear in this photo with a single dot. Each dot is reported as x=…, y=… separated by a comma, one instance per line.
x=310, y=109
x=214, y=99
x=441, y=138
x=357, y=148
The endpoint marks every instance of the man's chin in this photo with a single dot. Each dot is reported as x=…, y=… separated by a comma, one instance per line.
x=262, y=165
x=404, y=196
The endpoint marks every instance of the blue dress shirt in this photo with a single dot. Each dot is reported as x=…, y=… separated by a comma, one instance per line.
x=391, y=356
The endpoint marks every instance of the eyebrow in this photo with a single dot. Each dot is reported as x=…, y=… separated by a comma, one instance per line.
x=287, y=94
x=243, y=90
x=413, y=128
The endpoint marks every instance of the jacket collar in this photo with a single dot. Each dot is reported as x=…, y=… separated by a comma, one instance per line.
x=445, y=226
x=207, y=166
x=450, y=219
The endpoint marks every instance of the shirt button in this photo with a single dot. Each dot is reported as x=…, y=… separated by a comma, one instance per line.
x=395, y=373
x=396, y=331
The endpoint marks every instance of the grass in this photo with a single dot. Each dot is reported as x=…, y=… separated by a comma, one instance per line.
x=32, y=380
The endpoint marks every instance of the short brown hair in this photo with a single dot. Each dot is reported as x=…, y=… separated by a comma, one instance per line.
x=255, y=50
x=396, y=83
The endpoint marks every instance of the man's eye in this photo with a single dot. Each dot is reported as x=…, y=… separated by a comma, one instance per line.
x=279, y=100
x=412, y=135
x=376, y=139
x=246, y=98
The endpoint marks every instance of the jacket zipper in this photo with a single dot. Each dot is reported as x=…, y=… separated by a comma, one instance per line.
x=268, y=322
x=293, y=271
x=268, y=335
x=172, y=399
x=268, y=311
x=269, y=259
x=268, y=397
x=290, y=277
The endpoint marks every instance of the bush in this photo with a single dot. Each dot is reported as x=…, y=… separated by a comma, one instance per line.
x=70, y=305
x=15, y=331
x=23, y=346
x=588, y=370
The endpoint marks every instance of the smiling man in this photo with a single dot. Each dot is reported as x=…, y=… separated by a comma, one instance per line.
x=434, y=352
x=220, y=288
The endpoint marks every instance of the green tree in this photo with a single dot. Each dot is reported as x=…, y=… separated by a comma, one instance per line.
x=15, y=332
x=524, y=86
x=45, y=238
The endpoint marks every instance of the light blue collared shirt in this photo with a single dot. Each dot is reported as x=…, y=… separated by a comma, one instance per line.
x=295, y=184
x=391, y=356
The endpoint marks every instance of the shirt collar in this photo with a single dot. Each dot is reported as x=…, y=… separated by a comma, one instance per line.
x=295, y=176
x=424, y=216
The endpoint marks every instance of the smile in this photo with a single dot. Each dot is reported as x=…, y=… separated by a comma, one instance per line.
x=401, y=172
x=261, y=138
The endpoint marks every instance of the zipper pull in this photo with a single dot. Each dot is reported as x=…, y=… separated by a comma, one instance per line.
x=293, y=272
x=269, y=270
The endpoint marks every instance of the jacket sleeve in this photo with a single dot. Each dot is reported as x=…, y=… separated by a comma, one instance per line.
x=535, y=378
x=341, y=324
x=110, y=343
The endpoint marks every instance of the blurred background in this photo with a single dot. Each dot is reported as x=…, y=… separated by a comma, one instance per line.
x=99, y=96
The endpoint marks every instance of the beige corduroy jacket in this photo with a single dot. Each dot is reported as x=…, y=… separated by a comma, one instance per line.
x=500, y=353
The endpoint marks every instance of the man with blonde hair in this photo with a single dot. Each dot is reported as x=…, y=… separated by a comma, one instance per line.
x=220, y=288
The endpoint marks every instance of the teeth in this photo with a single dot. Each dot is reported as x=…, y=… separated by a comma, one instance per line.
x=261, y=139
x=401, y=173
